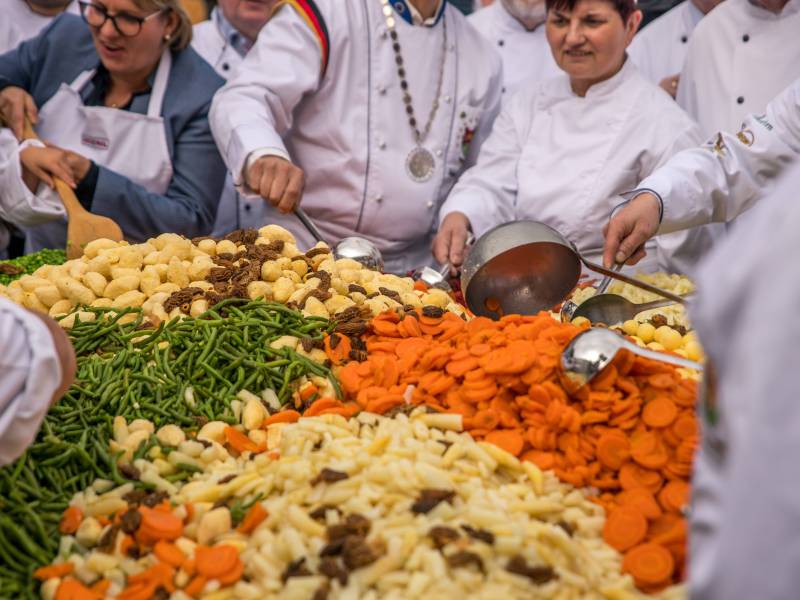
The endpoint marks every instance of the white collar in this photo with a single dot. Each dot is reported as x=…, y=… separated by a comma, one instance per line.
x=417, y=17
x=511, y=22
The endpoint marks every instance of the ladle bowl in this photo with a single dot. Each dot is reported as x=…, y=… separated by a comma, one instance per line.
x=592, y=350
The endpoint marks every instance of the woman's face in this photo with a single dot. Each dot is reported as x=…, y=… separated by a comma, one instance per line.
x=589, y=42
x=135, y=55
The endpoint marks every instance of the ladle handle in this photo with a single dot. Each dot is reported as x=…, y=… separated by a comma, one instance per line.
x=655, y=304
x=663, y=357
x=601, y=289
x=635, y=282
x=308, y=224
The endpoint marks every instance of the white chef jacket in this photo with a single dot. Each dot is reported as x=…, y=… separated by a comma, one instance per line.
x=745, y=519
x=20, y=23
x=561, y=159
x=526, y=55
x=724, y=178
x=18, y=205
x=209, y=40
x=344, y=122
x=30, y=373
x=659, y=49
x=740, y=57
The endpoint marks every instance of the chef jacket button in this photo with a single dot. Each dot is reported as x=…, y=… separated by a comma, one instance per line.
x=745, y=38
x=247, y=207
x=684, y=38
x=384, y=33
x=740, y=100
x=448, y=99
x=439, y=152
x=382, y=144
x=503, y=90
x=382, y=89
x=501, y=42
x=379, y=198
x=225, y=66
x=430, y=204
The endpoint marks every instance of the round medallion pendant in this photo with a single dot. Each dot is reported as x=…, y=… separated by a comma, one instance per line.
x=420, y=164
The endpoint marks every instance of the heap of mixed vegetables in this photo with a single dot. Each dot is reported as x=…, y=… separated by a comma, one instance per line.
x=222, y=440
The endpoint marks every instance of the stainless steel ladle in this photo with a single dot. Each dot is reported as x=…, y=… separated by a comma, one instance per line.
x=355, y=248
x=592, y=350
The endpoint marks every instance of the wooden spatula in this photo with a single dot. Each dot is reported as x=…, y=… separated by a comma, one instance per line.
x=83, y=226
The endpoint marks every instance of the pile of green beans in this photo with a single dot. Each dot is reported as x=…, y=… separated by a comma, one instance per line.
x=139, y=374
x=30, y=262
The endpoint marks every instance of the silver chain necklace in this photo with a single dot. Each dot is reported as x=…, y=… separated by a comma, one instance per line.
x=420, y=163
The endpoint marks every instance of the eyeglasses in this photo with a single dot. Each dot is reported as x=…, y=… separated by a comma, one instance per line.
x=127, y=25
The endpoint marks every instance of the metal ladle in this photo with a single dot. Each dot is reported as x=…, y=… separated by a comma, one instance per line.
x=569, y=307
x=591, y=351
x=611, y=309
x=523, y=267
x=354, y=248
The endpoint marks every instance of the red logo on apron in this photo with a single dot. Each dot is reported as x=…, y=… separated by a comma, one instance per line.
x=101, y=143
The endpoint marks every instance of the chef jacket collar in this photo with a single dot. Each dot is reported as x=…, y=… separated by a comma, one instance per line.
x=559, y=88
x=695, y=14
x=757, y=12
x=230, y=34
x=411, y=15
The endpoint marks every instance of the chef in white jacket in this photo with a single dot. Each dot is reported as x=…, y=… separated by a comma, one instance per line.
x=516, y=29
x=375, y=106
x=24, y=19
x=19, y=205
x=745, y=497
x=562, y=147
x=741, y=56
x=223, y=41
x=716, y=182
x=659, y=49
x=37, y=365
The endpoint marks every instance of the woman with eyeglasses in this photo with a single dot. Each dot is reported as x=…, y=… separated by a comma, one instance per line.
x=124, y=101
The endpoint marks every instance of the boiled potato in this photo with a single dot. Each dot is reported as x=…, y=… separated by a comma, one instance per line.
x=149, y=281
x=47, y=295
x=282, y=289
x=259, y=289
x=270, y=271
x=102, y=303
x=276, y=232
x=28, y=283
x=32, y=302
x=95, y=246
x=208, y=246
x=226, y=247
x=117, y=272
x=176, y=273
x=95, y=282
x=131, y=299
x=102, y=265
x=117, y=287
x=169, y=288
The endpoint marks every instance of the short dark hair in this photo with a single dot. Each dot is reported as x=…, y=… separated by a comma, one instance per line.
x=625, y=8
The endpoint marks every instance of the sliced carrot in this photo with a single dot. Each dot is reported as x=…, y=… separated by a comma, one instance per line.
x=509, y=440
x=307, y=391
x=674, y=496
x=51, y=571
x=239, y=441
x=70, y=520
x=613, y=450
x=283, y=416
x=214, y=562
x=254, y=517
x=169, y=553
x=685, y=426
x=195, y=587
x=642, y=500
x=648, y=451
x=660, y=412
x=384, y=404
x=321, y=404
x=159, y=525
x=100, y=587
x=141, y=590
x=625, y=527
x=649, y=564
x=72, y=589
x=232, y=576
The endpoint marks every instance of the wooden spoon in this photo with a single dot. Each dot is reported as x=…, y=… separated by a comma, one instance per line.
x=83, y=226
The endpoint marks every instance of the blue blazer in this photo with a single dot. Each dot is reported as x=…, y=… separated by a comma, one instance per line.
x=65, y=49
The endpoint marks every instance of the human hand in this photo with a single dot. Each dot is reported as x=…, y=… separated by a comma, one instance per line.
x=15, y=105
x=451, y=240
x=670, y=84
x=628, y=230
x=278, y=181
x=45, y=164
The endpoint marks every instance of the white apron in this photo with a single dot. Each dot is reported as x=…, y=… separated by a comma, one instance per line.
x=131, y=144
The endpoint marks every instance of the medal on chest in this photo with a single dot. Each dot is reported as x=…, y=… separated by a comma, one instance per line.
x=420, y=163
